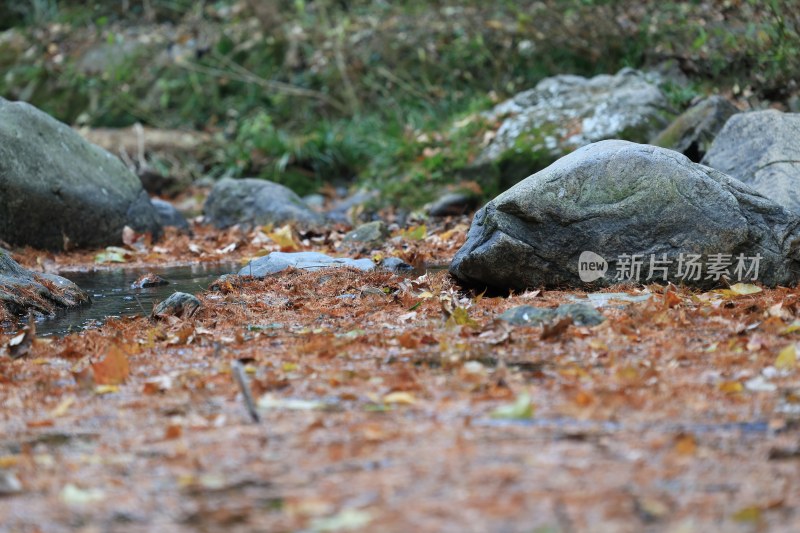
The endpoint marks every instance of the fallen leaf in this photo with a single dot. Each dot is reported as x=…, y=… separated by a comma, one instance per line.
x=112, y=369
x=787, y=358
x=685, y=444
x=173, y=431
x=284, y=237
x=62, y=408
x=347, y=519
x=20, y=345
x=747, y=514
x=731, y=387
x=745, y=288
x=113, y=254
x=415, y=233
x=521, y=409
x=554, y=331
x=399, y=397
x=75, y=496
x=791, y=328
x=460, y=317
x=739, y=289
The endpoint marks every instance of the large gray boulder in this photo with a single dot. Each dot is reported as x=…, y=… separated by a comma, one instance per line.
x=591, y=217
x=22, y=291
x=696, y=128
x=566, y=112
x=60, y=191
x=762, y=149
x=255, y=202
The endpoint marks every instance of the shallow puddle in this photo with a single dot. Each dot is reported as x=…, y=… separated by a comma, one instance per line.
x=112, y=295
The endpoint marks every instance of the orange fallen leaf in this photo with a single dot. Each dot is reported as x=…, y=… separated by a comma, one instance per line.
x=731, y=387
x=173, y=431
x=685, y=444
x=112, y=369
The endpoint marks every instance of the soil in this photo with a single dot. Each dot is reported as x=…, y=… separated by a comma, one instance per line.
x=400, y=403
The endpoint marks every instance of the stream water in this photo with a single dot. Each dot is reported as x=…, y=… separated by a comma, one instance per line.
x=112, y=295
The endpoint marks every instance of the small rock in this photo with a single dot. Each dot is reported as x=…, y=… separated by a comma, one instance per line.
x=278, y=261
x=371, y=234
x=526, y=315
x=168, y=215
x=452, y=204
x=693, y=132
x=256, y=202
x=149, y=280
x=604, y=299
x=762, y=149
x=179, y=304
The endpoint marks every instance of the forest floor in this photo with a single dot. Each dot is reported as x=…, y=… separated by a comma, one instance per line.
x=401, y=403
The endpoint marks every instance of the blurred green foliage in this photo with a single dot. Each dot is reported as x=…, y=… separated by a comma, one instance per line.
x=308, y=92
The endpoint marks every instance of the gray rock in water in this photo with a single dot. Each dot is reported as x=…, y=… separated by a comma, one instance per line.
x=371, y=234
x=278, y=261
x=168, y=214
x=22, y=291
x=527, y=315
x=613, y=205
x=178, y=304
x=693, y=132
x=60, y=191
x=256, y=202
x=565, y=112
x=762, y=149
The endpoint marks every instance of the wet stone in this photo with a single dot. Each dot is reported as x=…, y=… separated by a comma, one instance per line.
x=179, y=304
x=149, y=280
x=527, y=315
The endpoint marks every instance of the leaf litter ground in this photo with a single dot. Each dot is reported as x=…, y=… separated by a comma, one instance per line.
x=399, y=403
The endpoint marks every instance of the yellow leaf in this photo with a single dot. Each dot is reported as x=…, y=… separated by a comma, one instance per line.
x=745, y=288
x=787, y=358
x=63, y=407
x=415, y=233
x=748, y=514
x=731, y=387
x=791, y=328
x=460, y=317
x=106, y=389
x=522, y=408
x=400, y=397
x=7, y=461
x=284, y=237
